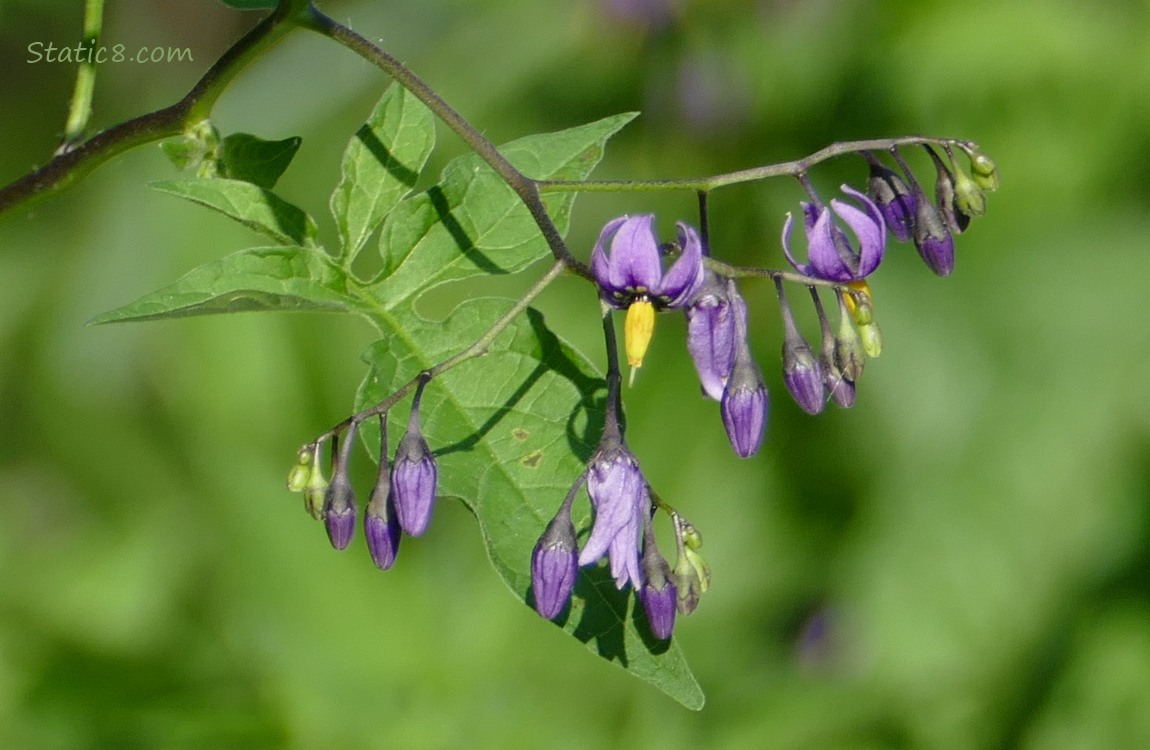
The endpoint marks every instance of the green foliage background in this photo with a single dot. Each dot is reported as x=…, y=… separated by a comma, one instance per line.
x=974, y=535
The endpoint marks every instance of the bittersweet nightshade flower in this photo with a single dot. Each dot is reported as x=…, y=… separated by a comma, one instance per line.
x=413, y=479
x=711, y=331
x=894, y=198
x=832, y=256
x=554, y=564
x=658, y=594
x=628, y=267
x=622, y=502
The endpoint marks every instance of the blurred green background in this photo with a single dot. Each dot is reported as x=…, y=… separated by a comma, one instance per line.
x=961, y=561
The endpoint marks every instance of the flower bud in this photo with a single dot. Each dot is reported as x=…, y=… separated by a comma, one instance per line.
x=968, y=197
x=894, y=199
x=744, y=409
x=413, y=479
x=339, y=511
x=658, y=595
x=380, y=521
x=933, y=240
x=692, y=578
x=554, y=564
x=314, y=496
x=848, y=349
x=300, y=474
x=339, y=499
x=871, y=338
x=984, y=171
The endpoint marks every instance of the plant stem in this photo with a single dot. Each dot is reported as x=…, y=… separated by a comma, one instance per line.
x=785, y=169
x=525, y=187
x=477, y=349
x=76, y=162
x=80, y=108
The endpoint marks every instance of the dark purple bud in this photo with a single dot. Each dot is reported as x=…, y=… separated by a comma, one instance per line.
x=744, y=402
x=744, y=409
x=339, y=511
x=711, y=332
x=413, y=479
x=380, y=521
x=658, y=595
x=933, y=240
x=554, y=563
x=802, y=373
x=339, y=498
x=895, y=200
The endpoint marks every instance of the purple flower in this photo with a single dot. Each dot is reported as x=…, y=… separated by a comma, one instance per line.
x=621, y=501
x=413, y=480
x=554, y=564
x=632, y=269
x=832, y=257
x=711, y=331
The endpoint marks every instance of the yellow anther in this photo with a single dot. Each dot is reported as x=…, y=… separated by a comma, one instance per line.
x=637, y=331
x=862, y=313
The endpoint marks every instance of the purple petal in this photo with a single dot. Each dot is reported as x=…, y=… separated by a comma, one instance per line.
x=711, y=342
x=825, y=258
x=683, y=278
x=634, y=259
x=660, y=607
x=803, y=268
x=616, y=487
x=600, y=263
x=553, y=573
x=869, y=228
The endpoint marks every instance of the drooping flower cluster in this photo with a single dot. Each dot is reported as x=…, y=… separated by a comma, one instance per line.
x=845, y=244
x=401, y=500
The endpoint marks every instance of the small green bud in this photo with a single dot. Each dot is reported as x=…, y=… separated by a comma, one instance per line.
x=691, y=536
x=968, y=197
x=984, y=170
x=314, y=493
x=702, y=570
x=300, y=474
x=848, y=348
x=871, y=338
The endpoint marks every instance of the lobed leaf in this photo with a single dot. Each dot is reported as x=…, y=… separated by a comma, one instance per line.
x=511, y=431
x=381, y=163
x=473, y=223
x=262, y=278
x=251, y=205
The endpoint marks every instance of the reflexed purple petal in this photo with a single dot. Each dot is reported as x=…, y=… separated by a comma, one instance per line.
x=600, y=263
x=868, y=226
x=634, y=259
x=810, y=215
x=683, y=278
x=803, y=268
x=824, y=256
x=660, y=607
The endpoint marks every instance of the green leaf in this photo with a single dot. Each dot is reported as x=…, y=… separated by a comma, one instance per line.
x=252, y=159
x=251, y=205
x=473, y=223
x=511, y=431
x=262, y=278
x=380, y=166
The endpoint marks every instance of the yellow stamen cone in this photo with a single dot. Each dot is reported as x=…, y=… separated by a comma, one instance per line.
x=637, y=331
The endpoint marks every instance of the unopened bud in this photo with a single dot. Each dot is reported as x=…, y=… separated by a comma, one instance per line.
x=313, y=496
x=968, y=197
x=871, y=338
x=300, y=474
x=984, y=171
